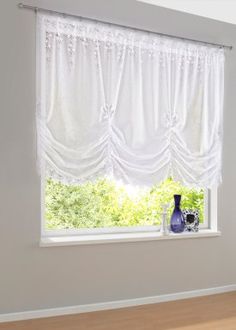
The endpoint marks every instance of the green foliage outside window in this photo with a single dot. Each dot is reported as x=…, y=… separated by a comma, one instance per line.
x=106, y=204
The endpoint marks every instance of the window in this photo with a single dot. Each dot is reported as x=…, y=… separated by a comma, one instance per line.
x=118, y=110
x=106, y=204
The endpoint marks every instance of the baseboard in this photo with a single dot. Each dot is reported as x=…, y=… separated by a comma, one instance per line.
x=112, y=304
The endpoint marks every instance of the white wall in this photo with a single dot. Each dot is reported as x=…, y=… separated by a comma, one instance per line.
x=222, y=10
x=32, y=277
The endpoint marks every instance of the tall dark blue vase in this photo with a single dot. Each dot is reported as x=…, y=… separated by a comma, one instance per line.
x=177, y=220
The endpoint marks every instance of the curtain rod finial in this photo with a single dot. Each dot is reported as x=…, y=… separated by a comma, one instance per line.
x=20, y=5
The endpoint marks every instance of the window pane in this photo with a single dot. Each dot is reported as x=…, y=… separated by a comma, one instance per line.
x=106, y=203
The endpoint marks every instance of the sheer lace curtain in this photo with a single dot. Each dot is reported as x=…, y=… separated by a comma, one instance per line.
x=127, y=104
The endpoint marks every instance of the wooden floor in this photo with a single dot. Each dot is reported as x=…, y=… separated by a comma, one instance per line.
x=216, y=312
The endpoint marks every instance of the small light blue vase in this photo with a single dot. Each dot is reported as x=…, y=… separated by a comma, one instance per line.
x=177, y=223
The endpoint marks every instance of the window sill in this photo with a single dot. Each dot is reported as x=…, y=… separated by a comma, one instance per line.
x=122, y=237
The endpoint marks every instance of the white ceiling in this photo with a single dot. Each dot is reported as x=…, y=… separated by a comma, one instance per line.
x=221, y=10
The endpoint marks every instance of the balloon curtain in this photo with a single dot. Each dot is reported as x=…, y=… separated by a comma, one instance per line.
x=127, y=104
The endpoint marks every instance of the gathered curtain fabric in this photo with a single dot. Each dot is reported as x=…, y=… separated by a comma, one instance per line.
x=128, y=104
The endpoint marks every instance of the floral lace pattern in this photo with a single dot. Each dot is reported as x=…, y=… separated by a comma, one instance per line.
x=82, y=30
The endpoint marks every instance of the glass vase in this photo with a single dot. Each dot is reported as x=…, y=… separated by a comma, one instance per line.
x=177, y=223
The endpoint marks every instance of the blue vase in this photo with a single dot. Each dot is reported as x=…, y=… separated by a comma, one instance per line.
x=177, y=223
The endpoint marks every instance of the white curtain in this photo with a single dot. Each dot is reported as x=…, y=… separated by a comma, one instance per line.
x=132, y=105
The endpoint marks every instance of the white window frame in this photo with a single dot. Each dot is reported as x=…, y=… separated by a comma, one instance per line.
x=114, y=234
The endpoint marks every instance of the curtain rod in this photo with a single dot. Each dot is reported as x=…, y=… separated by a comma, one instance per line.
x=23, y=6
